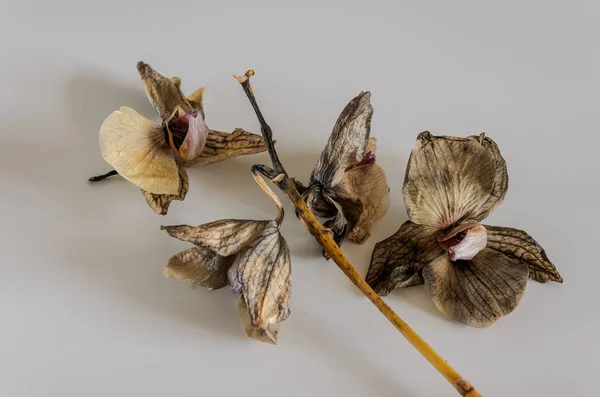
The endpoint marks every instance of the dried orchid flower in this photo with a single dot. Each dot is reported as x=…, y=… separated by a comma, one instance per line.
x=153, y=156
x=249, y=256
x=346, y=186
x=474, y=273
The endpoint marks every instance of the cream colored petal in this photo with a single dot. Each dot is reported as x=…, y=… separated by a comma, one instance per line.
x=160, y=202
x=197, y=96
x=199, y=266
x=225, y=237
x=397, y=261
x=368, y=185
x=164, y=93
x=476, y=292
x=519, y=245
x=223, y=146
x=447, y=180
x=264, y=272
x=266, y=334
x=137, y=149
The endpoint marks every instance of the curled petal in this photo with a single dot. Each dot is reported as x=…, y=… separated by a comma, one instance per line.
x=223, y=145
x=195, y=137
x=397, y=261
x=347, y=143
x=366, y=185
x=199, y=266
x=136, y=148
x=476, y=292
x=474, y=241
x=225, y=237
x=264, y=272
x=164, y=94
x=521, y=246
x=266, y=333
x=160, y=202
x=447, y=180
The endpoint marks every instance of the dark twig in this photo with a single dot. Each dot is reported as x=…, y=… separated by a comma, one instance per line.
x=104, y=176
x=324, y=237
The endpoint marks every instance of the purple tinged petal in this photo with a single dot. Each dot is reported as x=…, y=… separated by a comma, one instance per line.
x=474, y=241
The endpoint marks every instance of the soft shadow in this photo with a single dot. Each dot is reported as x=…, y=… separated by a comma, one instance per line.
x=346, y=355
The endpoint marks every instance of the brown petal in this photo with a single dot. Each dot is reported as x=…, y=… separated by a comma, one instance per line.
x=136, y=148
x=160, y=202
x=347, y=143
x=476, y=292
x=225, y=237
x=223, y=145
x=398, y=260
x=264, y=273
x=448, y=180
x=367, y=185
x=196, y=97
x=521, y=246
x=500, y=181
x=164, y=94
x=199, y=266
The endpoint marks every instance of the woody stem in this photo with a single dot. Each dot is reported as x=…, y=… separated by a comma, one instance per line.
x=324, y=237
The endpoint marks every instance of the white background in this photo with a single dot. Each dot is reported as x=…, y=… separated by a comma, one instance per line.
x=84, y=308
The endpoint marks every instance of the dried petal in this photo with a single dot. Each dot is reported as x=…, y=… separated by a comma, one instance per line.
x=398, y=260
x=164, y=94
x=160, y=202
x=449, y=180
x=199, y=266
x=136, y=148
x=194, y=140
x=521, y=246
x=365, y=185
x=476, y=292
x=222, y=146
x=500, y=181
x=196, y=97
x=264, y=273
x=347, y=143
x=225, y=237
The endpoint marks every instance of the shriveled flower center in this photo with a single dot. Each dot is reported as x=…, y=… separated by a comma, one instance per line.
x=186, y=134
x=464, y=241
x=178, y=127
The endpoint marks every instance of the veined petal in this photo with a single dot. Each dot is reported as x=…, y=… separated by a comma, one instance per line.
x=160, y=202
x=366, y=186
x=476, y=292
x=397, y=261
x=223, y=145
x=136, y=148
x=448, y=180
x=521, y=246
x=225, y=237
x=264, y=272
x=199, y=266
x=164, y=94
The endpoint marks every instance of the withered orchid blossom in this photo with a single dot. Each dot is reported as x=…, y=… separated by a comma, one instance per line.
x=474, y=273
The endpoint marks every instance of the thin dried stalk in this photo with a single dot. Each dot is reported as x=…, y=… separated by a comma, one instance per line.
x=324, y=237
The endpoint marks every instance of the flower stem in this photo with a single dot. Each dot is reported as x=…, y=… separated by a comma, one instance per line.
x=324, y=237
x=103, y=176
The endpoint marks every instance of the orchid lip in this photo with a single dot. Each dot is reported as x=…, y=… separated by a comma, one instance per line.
x=467, y=246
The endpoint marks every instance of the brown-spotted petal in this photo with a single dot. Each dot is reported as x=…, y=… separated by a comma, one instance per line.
x=160, y=202
x=264, y=272
x=225, y=237
x=164, y=93
x=199, y=266
x=447, y=180
x=521, y=246
x=476, y=292
x=347, y=143
x=366, y=185
x=397, y=261
x=224, y=145
x=136, y=148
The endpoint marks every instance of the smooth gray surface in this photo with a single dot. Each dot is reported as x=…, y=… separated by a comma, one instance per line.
x=84, y=308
